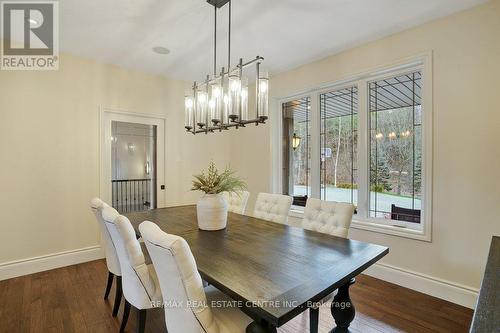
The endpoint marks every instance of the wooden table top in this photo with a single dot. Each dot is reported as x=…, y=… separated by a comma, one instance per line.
x=278, y=266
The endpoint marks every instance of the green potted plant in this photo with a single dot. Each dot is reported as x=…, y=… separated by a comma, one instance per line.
x=212, y=207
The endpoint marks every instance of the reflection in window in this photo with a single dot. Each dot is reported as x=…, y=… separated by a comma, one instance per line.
x=396, y=148
x=296, y=150
x=339, y=125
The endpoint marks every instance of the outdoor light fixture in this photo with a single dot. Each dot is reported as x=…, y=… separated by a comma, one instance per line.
x=221, y=100
x=295, y=141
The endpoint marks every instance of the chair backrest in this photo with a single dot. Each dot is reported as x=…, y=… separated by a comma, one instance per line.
x=273, y=207
x=97, y=206
x=405, y=214
x=236, y=202
x=185, y=302
x=138, y=279
x=328, y=217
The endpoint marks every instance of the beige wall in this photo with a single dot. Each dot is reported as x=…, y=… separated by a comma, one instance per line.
x=466, y=157
x=49, y=148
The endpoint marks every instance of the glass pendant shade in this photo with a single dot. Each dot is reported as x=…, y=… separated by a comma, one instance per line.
x=263, y=94
x=234, y=95
x=244, y=99
x=225, y=109
x=215, y=104
x=211, y=110
x=201, y=107
x=188, y=112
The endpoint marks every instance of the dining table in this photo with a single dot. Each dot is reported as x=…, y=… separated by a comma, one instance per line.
x=274, y=271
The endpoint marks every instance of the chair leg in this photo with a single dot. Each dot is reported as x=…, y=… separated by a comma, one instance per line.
x=126, y=312
x=118, y=295
x=313, y=320
x=141, y=322
x=108, y=286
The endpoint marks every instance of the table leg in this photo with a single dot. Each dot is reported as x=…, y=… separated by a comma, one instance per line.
x=313, y=320
x=260, y=327
x=342, y=309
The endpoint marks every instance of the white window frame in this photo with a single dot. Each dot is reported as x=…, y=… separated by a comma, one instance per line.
x=362, y=220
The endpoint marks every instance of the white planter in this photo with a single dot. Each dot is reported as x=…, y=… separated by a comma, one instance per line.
x=212, y=212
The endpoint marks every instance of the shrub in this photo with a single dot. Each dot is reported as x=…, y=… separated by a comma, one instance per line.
x=347, y=185
x=377, y=188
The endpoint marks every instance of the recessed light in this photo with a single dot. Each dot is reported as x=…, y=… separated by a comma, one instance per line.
x=33, y=21
x=161, y=50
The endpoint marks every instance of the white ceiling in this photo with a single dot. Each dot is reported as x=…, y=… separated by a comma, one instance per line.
x=287, y=33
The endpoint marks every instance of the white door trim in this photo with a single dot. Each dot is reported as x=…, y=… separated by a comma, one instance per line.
x=106, y=116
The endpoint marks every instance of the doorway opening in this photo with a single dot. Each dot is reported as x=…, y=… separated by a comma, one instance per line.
x=133, y=166
x=132, y=160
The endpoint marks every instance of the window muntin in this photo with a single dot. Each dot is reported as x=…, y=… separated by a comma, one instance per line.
x=395, y=160
x=338, y=137
x=297, y=159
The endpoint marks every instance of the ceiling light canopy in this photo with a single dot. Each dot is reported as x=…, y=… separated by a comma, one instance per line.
x=221, y=100
x=161, y=50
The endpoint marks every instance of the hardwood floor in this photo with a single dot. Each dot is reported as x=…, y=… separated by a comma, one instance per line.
x=70, y=299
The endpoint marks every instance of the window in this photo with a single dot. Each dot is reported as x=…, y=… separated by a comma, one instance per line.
x=296, y=153
x=338, y=137
x=396, y=148
x=364, y=141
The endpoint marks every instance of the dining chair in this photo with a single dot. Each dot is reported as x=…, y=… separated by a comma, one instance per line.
x=236, y=201
x=273, y=207
x=112, y=262
x=140, y=283
x=187, y=303
x=328, y=217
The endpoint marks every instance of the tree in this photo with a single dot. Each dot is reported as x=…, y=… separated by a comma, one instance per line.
x=380, y=175
x=417, y=176
x=337, y=153
x=397, y=145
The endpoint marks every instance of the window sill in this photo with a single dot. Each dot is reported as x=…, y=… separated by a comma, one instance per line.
x=374, y=226
x=393, y=230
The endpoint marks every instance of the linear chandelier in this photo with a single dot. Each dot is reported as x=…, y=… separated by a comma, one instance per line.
x=221, y=100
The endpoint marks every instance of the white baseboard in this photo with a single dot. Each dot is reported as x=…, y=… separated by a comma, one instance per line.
x=447, y=290
x=43, y=263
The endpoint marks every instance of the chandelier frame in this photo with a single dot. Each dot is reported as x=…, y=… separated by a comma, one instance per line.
x=198, y=121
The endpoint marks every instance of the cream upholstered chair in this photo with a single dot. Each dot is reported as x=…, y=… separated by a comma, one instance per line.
x=236, y=202
x=97, y=206
x=181, y=284
x=273, y=207
x=328, y=217
x=140, y=284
